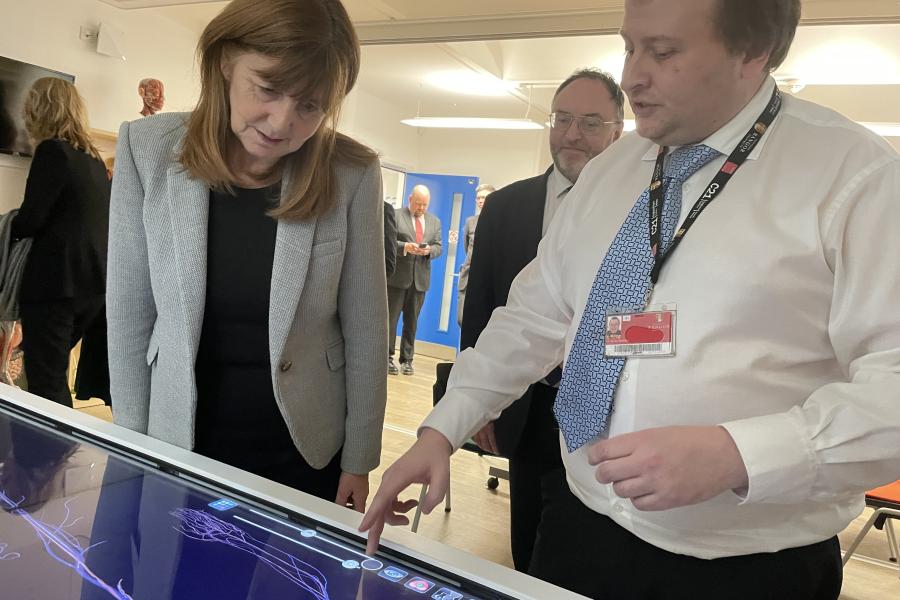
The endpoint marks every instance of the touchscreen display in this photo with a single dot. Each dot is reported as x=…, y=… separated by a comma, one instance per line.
x=79, y=522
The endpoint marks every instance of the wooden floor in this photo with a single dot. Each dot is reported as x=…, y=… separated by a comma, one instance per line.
x=479, y=520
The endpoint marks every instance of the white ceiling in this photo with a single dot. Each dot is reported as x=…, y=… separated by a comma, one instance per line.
x=853, y=67
x=432, y=20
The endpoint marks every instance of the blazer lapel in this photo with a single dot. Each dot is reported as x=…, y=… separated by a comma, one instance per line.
x=189, y=210
x=405, y=221
x=293, y=248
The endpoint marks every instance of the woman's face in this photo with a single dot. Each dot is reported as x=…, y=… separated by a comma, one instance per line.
x=269, y=123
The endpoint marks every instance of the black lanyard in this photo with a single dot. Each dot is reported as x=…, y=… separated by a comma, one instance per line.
x=734, y=162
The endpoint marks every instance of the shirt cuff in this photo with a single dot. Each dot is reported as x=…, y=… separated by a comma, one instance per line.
x=450, y=417
x=776, y=453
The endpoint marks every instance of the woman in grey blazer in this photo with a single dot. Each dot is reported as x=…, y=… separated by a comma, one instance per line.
x=247, y=303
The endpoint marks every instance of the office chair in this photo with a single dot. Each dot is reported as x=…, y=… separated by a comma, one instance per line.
x=494, y=474
x=886, y=502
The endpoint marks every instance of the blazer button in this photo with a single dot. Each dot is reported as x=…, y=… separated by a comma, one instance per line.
x=285, y=366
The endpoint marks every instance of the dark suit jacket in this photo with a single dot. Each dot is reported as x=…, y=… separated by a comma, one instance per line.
x=390, y=239
x=66, y=212
x=509, y=231
x=468, y=242
x=413, y=270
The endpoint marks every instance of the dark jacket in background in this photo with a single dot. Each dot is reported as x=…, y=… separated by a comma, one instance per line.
x=468, y=238
x=390, y=239
x=66, y=212
x=509, y=231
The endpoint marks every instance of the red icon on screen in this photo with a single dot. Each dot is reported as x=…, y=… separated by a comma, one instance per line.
x=417, y=584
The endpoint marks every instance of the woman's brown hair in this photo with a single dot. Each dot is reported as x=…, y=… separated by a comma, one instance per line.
x=54, y=110
x=316, y=48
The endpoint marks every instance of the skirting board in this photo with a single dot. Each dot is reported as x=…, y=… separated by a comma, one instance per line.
x=433, y=350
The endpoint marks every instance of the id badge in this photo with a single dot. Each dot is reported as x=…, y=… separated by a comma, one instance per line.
x=649, y=333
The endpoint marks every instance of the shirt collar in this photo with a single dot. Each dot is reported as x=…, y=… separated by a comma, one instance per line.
x=558, y=183
x=726, y=139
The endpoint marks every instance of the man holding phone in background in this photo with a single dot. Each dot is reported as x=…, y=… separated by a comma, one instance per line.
x=418, y=243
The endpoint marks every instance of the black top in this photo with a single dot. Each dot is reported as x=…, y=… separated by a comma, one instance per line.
x=66, y=212
x=238, y=421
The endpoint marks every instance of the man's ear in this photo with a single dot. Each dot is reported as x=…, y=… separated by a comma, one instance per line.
x=754, y=66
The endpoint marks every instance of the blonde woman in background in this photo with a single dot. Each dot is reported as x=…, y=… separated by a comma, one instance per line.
x=66, y=212
x=247, y=298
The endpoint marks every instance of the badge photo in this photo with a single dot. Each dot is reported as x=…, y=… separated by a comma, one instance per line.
x=648, y=333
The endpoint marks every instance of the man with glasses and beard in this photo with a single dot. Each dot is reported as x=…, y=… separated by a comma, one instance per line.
x=588, y=110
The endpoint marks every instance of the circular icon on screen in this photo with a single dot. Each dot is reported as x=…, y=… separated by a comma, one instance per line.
x=370, y=564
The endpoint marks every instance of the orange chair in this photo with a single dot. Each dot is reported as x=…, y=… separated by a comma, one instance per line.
x=886, y=502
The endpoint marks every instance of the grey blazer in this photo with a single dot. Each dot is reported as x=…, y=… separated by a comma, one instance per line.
x=413, y=270
x=327, y=315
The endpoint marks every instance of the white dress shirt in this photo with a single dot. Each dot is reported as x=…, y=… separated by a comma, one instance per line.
x=788, y=329
x=558, y=187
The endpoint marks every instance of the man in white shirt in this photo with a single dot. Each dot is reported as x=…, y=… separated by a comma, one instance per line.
x=727, y=469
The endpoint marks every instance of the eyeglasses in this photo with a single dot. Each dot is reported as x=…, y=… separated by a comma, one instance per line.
x=587, y=124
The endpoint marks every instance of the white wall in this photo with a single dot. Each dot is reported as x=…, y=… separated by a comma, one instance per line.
x=495, y=157
x=376, y=122
x=45, y=33
x=13, y=172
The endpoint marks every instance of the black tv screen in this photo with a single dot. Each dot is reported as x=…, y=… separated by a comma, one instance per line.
x=16, y=78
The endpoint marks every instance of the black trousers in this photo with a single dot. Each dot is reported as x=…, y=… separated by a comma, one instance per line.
x=588, y=553
x=92, y=379
x=49, y=332
x=408, y=301
x=536, y=455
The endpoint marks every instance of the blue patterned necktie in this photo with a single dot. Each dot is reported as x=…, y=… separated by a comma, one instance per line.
x=589, y=380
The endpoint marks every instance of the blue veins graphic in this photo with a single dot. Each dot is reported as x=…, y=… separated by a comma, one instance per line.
x=204, y=527
x=61, y=545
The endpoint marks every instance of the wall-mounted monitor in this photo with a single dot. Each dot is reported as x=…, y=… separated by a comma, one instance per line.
x=16, y=78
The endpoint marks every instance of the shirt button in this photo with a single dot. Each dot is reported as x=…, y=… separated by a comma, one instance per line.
x=285, y=366
x=619, y=508
x=626, y=376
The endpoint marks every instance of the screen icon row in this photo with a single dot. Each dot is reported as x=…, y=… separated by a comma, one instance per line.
x=418, y=584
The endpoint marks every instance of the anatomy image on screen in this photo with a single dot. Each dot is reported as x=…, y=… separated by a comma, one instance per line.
x=62, y=546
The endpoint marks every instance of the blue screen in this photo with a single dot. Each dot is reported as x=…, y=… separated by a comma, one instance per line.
x=79, y=522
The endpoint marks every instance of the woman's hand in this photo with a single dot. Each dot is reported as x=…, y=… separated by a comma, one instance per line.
x=353, y=491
